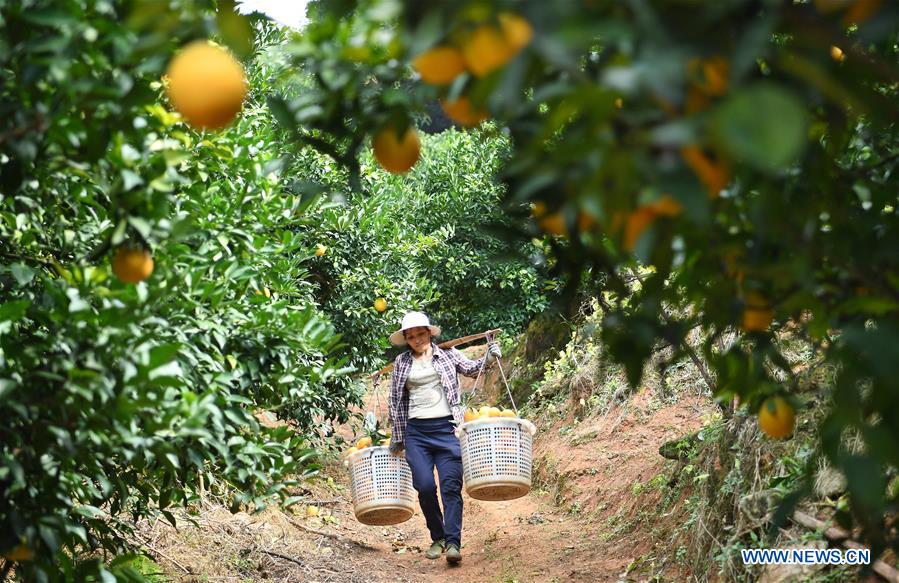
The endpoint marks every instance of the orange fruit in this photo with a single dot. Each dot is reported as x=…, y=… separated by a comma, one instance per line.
x=776, y=417
x=363, y=443
x=715, y=71
x=20, y=553
x=714, y=176
x=488, y=48
x=470, y=415
x=352, y=450
x=554, y=224
x=667, y=206
x=380, y=304
x=508, y=413
x=320, y=250
x=439, y=65
x=132, y=265
x=484, y=412
x=709, y=75
x=860, y=11
x=696, y=100
x=836, y=53
x=494, y=412
x=517, y=31
x=396, y=154
x=206, y=85
x=637, y=222
x=385, y=441
x=461, y=111
x=585, y=221
x=829, y=5
x=312, y=511
x=757, y=319
x=758, y=314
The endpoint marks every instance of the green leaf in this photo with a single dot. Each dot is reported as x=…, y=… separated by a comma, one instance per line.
x=236, y=30
x=76, y=303
x=118, y=235
x=763, y=125
x=281, y=111
x=89, y=511
x=12, y=311
x=6, y=387
x=131, y=179
x=141, y=226
x=23, y=274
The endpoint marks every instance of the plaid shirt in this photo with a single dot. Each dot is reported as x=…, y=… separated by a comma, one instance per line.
x=447, y=363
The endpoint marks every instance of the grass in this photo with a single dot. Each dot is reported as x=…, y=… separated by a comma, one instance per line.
x=727, y=462
x=151, y=571
x=582, y=439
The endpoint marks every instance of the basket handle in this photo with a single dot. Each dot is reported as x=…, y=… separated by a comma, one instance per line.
x=502, y=374
x=506, y=382
x=532, y=429
x=376, y=382
x=474, y=387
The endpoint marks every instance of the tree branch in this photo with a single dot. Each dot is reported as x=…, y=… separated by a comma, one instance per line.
x=38, y=124
x=328, y=534
x=883, y=162
x=26, y=259
x=840, y=536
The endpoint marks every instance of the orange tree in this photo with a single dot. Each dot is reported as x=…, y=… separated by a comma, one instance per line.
x=744, y=150
x=159, y=282
x=418, y=241
x=152, y=292
x=412, y=235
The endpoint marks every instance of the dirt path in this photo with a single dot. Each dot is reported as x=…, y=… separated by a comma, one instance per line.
x=594, y=514
x=589, y=517
x=520, y=540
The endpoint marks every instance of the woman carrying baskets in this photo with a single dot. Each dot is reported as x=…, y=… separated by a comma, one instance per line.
x=424, y=406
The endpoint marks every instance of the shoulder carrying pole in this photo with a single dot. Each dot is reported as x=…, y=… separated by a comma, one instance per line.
x=375, y=377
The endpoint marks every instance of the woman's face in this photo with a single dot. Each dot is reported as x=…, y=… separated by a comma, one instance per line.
x=418, y=338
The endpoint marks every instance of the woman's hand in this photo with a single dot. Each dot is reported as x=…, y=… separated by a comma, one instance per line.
x=493, y=352
x=396, y=447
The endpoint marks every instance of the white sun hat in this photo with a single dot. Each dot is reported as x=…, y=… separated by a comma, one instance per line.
x=412, y=320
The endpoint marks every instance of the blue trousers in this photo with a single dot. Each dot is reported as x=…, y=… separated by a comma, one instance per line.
x=429, y=443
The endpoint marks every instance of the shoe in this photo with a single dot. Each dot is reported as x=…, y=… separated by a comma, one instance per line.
x=453, y=556
x=437, y=548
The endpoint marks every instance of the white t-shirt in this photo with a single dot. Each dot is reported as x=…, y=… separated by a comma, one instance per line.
x=427, y=398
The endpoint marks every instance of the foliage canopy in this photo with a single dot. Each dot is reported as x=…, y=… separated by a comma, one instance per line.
x=745, y=151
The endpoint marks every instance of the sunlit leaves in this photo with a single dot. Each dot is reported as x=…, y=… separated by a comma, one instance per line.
x=119, y=399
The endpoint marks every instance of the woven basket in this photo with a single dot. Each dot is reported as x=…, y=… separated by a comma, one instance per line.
x=496, y=457
x=381, y=485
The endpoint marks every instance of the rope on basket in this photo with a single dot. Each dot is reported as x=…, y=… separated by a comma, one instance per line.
x=531, y=428
x=501, y=373
x=376, y=384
